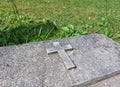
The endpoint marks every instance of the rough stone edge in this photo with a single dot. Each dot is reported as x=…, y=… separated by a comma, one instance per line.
x=98, y=79
x=59, y=39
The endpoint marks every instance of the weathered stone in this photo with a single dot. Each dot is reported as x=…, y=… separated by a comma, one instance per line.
x=96, y=58
x=111, y=82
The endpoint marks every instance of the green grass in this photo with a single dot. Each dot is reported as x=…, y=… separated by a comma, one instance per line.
x=39, y=20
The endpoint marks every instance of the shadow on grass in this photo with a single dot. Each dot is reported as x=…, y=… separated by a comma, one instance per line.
x=27, y=33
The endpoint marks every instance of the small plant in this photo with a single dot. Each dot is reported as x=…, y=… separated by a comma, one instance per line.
x=106, y=7
x=15, y=10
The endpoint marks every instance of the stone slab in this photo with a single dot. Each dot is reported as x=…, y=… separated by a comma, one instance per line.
x=111, y=82
x=96, y=57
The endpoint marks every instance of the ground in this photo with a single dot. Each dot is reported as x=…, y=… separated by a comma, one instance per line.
x=85, y=16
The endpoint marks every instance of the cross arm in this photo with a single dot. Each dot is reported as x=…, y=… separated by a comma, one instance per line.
x=68, y=47
x=51, y=50
x=54, y=50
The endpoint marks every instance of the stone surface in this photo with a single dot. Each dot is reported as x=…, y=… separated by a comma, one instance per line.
x=111, y=82
x=96, y=57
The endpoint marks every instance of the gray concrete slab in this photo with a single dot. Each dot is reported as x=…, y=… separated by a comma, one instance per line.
x=96, y=58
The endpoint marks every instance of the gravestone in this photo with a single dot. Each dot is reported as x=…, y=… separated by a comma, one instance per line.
x=73, y=62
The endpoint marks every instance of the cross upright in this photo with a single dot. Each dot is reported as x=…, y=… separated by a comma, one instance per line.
x=61, y=51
